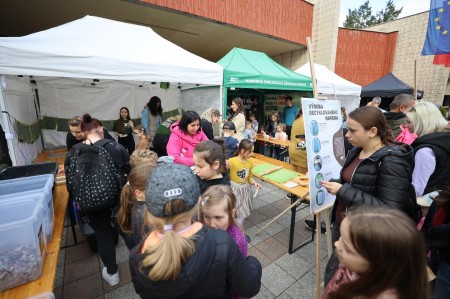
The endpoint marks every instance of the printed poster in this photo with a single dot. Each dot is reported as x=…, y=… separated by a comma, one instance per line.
x=324, y=146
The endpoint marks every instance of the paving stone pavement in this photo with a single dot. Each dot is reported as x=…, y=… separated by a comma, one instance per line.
x=284, y=275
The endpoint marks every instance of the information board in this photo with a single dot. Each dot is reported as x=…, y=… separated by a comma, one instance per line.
x=324, y=146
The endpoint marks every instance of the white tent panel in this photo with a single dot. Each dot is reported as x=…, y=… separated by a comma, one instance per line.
x=200, y=99
x=333, y=87
x=93, y=47
x=328, y=82
x=125, y=61
x=102, y=101
x=19, y=103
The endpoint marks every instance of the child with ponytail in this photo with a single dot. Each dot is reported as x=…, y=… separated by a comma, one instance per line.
x=209, y=161
x=132, y=205
x=182, y=258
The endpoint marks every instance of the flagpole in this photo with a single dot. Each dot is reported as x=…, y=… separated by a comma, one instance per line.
x=311, y=65
x=415, y=79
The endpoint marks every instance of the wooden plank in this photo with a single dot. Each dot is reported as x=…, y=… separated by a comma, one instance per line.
x=46, y=282
x=272, y=140
x=299, y=191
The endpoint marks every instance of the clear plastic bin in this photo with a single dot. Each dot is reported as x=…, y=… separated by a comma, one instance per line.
x=39, y=184
x=29, y=170
x=22, y=243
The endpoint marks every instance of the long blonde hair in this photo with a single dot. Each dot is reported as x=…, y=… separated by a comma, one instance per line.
x=426, y=118
x=209, y=113
x=165, y=259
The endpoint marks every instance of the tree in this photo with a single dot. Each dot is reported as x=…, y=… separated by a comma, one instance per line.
x=362, y=16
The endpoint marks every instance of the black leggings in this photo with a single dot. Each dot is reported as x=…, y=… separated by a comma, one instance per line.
x=127, y=142
x=100, y=222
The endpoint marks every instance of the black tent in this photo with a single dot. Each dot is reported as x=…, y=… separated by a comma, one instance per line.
x=388, y=86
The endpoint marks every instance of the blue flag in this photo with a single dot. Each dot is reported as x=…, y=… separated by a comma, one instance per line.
x=437, y=40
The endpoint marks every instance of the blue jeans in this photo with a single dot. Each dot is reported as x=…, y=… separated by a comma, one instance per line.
x=442, y=284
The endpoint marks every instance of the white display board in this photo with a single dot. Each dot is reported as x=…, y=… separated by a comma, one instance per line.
x=324, y=146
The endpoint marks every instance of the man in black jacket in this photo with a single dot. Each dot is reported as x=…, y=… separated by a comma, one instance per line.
x=396, y=116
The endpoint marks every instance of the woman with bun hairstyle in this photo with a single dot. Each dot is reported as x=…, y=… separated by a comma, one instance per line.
x=100, y=220
x=182, y=258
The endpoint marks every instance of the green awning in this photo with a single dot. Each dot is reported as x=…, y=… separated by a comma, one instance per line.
x=251, y=69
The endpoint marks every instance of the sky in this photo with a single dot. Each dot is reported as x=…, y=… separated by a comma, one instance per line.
x=410, y=7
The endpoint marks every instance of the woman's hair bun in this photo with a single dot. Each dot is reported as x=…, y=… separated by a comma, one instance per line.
x=87, y=118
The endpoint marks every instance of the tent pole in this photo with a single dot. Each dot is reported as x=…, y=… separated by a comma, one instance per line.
x=221, y=97
x=415, y=79
x=7, y=129
x=224, y=102
x=311, y=65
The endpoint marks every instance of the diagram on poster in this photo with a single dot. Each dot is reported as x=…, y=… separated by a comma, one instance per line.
x=324, y=146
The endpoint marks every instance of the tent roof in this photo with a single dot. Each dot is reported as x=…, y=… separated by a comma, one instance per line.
x=328, y=82
x=251, y=69
x=388, y=86
x=93, y=47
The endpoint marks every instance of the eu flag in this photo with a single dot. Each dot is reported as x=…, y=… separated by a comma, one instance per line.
x=437, y=40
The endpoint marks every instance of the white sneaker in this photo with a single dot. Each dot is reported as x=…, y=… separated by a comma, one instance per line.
x=112, y=279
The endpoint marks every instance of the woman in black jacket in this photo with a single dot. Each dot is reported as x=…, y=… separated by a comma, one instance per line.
x=376, y=173
x=182, y=258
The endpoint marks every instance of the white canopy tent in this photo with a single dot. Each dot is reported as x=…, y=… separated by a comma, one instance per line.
x=334, y=87
x=93, y=65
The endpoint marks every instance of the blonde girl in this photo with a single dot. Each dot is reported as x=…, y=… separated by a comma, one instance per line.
x=382, y=256
x=182, y=258
x=218, y=211
x=143, y=142
x=281, y=135
x=143, y=156
x=209, y=162
x=242, y=179
x=132, y=205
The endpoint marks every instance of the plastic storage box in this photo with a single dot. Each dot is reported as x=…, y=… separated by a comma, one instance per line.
x=22, y=243
x=30, y=170
x=40, y=184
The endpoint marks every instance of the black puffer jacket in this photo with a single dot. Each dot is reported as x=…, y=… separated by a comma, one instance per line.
x=382, y=180
x=438, y=237
x=215, y=270
x=440, y=144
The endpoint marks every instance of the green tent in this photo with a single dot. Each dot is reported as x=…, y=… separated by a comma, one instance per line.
x=251, y=69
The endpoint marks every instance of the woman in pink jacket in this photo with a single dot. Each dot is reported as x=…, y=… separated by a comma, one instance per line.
x=184, y=137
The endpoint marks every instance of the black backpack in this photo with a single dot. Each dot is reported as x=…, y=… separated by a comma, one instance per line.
x=93, y=179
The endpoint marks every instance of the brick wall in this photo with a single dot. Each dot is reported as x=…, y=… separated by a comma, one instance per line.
x=364, y=56
x=432, y=79
x=286, y=19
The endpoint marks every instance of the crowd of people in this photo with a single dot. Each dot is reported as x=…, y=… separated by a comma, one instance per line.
x=186, y=192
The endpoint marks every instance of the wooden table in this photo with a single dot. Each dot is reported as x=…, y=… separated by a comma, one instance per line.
x=297, y=192
x=46, y=282
x=260, y=138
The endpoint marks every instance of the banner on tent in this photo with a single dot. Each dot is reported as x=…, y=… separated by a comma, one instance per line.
x=324, y=146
